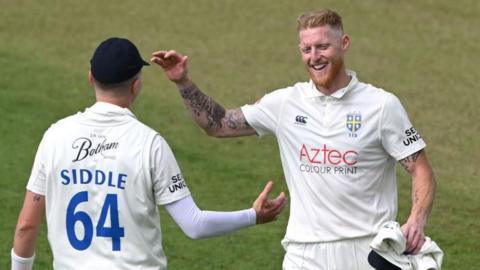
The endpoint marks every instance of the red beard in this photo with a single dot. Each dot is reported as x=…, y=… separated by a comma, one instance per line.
x=327, y=80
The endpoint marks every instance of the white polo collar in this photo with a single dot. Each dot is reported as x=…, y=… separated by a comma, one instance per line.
x=103, y=112
x=313, y=92
x=106, y=108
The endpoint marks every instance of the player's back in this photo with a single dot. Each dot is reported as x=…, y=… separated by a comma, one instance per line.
x=100, y=206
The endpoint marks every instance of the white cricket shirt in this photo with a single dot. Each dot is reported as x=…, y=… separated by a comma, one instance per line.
x=103, y=173
x=338, y=154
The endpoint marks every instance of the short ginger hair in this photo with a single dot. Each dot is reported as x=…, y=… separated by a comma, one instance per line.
x=319, y=18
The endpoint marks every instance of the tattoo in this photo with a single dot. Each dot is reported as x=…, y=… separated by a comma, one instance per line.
x=408, y=162
x=37, y=198
x=216, y=116
x=198, y=102
x=235, y=119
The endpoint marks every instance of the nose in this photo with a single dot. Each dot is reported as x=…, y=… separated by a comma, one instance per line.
x=315, y=55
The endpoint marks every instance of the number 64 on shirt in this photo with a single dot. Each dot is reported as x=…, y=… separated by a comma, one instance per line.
x=114, y=231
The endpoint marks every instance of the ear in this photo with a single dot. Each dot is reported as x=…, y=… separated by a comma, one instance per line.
x=90, y=78
x=136, y=86
x=345, y=42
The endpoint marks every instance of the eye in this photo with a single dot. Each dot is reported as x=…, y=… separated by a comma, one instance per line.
x=306, y=50
x=323, y=46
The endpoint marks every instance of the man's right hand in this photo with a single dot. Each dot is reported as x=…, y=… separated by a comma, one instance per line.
x=268, y=210
x=174, y=65
x=208, y=114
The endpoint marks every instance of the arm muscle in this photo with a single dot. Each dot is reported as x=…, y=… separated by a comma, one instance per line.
x=28, y=224
x=213, y=117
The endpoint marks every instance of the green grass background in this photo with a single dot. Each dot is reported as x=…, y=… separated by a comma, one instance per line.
x=426, y=52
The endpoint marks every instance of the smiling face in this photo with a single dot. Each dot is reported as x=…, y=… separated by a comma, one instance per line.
x=322, y=49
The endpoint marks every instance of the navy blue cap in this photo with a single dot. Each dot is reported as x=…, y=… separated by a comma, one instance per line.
x=116, y=60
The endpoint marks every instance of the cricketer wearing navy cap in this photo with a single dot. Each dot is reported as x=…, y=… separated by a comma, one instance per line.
x=101, y=174
x=116, y=60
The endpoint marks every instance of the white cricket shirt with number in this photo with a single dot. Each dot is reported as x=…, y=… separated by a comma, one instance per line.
x=338, y=154
x=103, y=173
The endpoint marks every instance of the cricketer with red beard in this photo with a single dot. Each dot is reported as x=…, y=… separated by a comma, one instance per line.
x=339, y=139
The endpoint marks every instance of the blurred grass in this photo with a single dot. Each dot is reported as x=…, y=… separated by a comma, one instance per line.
x=426, y=52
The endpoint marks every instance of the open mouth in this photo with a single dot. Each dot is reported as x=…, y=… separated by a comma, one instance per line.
x=319, y=66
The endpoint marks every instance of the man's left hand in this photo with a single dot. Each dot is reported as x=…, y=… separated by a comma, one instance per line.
x=415, y=235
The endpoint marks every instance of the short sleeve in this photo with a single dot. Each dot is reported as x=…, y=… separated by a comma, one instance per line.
x=399, y=138
x=168, y=182
x=264, y=115
x=38, y=177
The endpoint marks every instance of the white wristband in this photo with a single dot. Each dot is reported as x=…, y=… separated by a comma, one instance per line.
x=19, y=263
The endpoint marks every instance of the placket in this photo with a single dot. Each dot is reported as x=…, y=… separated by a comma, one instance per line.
x=327, y=107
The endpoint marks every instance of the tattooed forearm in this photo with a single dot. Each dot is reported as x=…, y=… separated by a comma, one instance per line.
x=200, y=104
x=409, y=161
x=235, y=119
x=213, y=117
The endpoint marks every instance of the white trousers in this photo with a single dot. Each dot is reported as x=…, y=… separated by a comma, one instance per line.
x=348, y=254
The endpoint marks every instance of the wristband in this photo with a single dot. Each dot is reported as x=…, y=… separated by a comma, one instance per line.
x=19, y=263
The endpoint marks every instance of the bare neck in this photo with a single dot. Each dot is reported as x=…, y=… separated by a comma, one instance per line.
x=119, y=100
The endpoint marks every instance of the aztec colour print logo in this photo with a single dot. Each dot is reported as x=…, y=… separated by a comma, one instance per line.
x=354, y=123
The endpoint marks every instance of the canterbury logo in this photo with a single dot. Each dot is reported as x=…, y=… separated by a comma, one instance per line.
x=301, y=119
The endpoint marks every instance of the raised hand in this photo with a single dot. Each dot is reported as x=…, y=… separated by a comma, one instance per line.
x=268, y=210
x=173, y=63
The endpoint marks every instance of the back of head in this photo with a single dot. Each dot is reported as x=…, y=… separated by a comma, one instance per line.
x=115, y=63
x=320, y=18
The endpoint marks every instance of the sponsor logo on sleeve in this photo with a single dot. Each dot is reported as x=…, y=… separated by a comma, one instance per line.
x=177, y=183
x=411, y=136
x=354, y=123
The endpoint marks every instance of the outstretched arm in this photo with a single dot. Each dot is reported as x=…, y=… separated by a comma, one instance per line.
x=423, y=193
x=211, y=116
x=197, y=224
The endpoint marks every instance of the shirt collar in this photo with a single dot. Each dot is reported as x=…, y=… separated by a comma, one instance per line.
x=108, y=111
x=312, y=90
